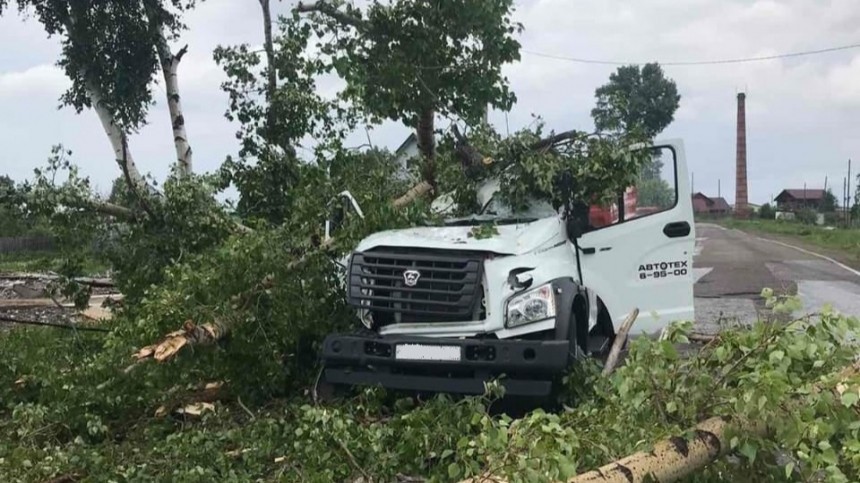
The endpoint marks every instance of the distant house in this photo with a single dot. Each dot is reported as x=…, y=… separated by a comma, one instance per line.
x=706, y=205
x=797, y=199
x=407, y=150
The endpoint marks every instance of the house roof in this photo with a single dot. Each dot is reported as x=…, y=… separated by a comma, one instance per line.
x=801, y=194
x=720, y=204
x=705, y=203
x=700, y=204
x=412, y=138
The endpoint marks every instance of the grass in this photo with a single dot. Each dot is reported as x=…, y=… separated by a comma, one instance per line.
x=43, y=261
x=842, y=243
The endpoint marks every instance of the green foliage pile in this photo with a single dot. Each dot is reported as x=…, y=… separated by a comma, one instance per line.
x=69, y=408
x=583, y=169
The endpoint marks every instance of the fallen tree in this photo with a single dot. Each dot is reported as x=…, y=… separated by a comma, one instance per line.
x=680, y=456
x=211, y=332
x=673, y=416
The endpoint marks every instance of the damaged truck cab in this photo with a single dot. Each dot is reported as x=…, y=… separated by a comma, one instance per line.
x=449, y=308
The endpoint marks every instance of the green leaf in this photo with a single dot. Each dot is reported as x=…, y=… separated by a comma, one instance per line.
x=748, y=450
x=849, y=398
x=453, y=470
x=789, y=469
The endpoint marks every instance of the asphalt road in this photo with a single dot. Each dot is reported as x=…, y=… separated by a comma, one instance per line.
x=732, y=268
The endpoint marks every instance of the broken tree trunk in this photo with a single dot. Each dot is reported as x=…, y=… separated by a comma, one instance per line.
x=670, y=459
x=413, y=194
x=190, y=334
x=676, y=457
x=620, y=339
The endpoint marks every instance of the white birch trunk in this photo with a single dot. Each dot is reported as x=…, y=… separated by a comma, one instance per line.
x=169, y=67
x=117, y=140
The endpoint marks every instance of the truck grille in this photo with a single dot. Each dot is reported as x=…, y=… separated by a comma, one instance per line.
x=447, y=288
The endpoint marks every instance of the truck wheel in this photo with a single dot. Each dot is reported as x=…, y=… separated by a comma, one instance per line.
x=577, y=330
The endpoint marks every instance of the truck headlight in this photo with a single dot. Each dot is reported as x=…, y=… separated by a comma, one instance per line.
x=532, y=306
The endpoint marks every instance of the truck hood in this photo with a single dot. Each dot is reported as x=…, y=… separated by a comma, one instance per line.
x=513, y=239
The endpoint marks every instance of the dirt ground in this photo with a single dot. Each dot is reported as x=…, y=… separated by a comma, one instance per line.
x=25, y=297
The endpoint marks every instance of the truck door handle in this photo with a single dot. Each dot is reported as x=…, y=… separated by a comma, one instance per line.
x=677, y=229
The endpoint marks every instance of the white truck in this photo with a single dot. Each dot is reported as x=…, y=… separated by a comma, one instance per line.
x=445, y=310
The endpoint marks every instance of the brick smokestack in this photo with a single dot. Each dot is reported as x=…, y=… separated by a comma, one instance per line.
x=741, y=199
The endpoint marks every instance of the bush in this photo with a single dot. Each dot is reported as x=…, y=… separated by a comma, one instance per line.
x=807, y=216
x=766, y=212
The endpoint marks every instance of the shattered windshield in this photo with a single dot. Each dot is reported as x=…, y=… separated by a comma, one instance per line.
x=498, y=211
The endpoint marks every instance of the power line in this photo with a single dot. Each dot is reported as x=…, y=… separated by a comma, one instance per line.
x=699, y=62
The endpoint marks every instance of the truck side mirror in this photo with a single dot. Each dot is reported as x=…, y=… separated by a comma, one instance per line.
x=339, y=207
x=577, y=221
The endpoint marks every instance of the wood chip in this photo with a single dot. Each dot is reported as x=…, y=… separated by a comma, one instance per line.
x=196, y=409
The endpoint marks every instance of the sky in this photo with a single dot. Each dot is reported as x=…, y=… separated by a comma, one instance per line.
x=802, y=112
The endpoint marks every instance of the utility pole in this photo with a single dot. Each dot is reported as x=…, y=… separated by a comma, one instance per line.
x=719, y=191
x=848, y=213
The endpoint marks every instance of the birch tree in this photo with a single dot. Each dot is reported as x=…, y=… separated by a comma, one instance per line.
x=111, y=51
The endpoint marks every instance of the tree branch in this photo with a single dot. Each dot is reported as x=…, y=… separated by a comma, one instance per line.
x=620, y=339
x=414, y=193
x=329, y=10
x=139, y=192
x=110, y=209
x=555, y=139
x=470, y=158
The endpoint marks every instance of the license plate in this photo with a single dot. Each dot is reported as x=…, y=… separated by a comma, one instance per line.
x=423, y=352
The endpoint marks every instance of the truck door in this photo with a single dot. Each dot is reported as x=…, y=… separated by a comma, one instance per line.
x=644, y=257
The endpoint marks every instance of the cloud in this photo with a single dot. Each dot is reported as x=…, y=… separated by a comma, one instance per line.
x=40, y=80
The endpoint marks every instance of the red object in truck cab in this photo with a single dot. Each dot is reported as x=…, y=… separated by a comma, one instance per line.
x=600, y=216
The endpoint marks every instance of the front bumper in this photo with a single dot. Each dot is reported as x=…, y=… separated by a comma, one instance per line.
x=528, y=367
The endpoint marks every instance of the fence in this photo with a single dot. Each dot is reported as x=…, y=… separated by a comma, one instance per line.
x=25, y=244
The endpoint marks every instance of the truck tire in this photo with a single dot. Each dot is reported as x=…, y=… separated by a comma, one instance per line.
x=575, y=333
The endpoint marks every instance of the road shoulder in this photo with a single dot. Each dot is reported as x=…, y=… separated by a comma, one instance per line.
x=800, y=242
